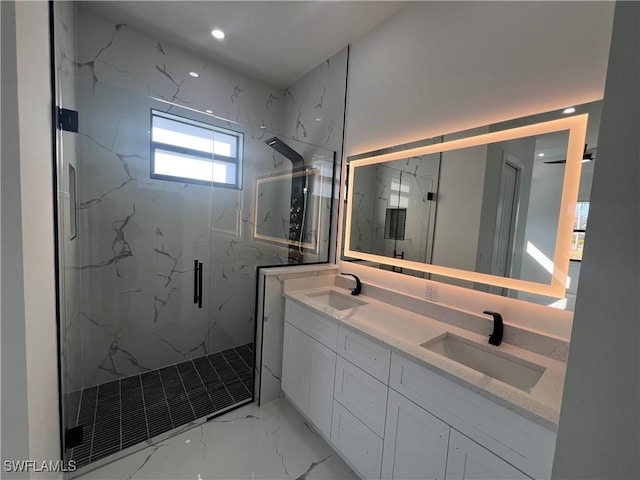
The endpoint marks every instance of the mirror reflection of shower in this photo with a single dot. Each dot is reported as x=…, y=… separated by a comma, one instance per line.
x=300, y=191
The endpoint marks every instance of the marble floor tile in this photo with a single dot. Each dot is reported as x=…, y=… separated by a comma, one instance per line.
x=268, y=442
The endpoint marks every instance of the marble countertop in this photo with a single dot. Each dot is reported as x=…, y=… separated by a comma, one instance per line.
x=404, y=332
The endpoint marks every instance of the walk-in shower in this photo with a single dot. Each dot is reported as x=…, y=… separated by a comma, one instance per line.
x=169, y=200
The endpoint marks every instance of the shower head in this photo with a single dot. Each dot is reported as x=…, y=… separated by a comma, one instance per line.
x=284, y=149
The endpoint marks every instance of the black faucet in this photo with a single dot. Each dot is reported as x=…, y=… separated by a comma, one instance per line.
x=358, y=289
x=498, y=328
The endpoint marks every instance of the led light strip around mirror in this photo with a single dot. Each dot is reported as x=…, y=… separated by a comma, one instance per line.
x=577, y=128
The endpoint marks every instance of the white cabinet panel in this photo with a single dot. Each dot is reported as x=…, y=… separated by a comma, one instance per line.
x=361, y=394
x=295, y=381
x=469, y=461
x=322, y=366
x=415, y=442
x=356, y=442
x=308, y=372
x=316, y=326
x=370, y=356
x=518, y=440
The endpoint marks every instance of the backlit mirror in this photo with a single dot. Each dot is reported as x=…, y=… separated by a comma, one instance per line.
x=500, y=208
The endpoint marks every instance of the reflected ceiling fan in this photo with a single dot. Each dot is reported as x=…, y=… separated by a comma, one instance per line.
x=588, y=156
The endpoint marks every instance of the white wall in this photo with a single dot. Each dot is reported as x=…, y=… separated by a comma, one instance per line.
x=32, y=317
x=15, y=422
x=459, y=207
x=599, y=421
x=466, y=64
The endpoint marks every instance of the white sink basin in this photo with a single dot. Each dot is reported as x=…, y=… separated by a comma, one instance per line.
x=336, y=300
x=502, y=366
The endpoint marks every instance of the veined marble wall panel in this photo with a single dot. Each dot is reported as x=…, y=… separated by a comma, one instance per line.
x=140, y=236
x=314, y=104
x=70, y=276
x=314, y=108
x=119, y=55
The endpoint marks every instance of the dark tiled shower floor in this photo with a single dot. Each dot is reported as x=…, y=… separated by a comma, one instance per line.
x=119, y=414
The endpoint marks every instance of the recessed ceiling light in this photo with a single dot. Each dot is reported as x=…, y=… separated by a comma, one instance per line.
x=209, y=111
x=318, y=119
x=194, y=74
x=569, y=110
x=217, y=33
x=541, y=154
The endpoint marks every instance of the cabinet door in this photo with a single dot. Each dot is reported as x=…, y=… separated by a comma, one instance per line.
x=295, y=359
x=415, y=442
x=356, y=442
x=469, y=461
x=322, y=366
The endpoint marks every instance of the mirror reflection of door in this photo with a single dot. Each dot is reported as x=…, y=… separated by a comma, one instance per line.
x=506, y=221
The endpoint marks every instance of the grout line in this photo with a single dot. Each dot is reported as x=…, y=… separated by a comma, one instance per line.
x=77, y=420
x=250, y=368
x=205, y=386
x=93, y=429
x=220, y=378
x=120, y=410
x=166, y=400
x=144, y=405
x=235, y=373
x=185, y=392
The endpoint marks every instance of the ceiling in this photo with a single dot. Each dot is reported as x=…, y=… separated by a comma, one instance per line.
x=277, y=42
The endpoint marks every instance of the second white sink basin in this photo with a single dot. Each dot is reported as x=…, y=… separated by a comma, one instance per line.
x=502, y=366
x=336, y=300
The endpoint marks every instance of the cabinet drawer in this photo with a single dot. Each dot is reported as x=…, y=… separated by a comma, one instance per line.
x=322, y=329
x=356, y=442
x=520, y=441
x=370, y=356
x=361, y=394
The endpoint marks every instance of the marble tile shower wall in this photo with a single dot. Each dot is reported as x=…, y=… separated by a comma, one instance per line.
x=65, y=40
x=138, y=237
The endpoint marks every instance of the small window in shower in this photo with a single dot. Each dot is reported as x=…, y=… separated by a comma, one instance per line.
x=184, y=150
x=395, y=223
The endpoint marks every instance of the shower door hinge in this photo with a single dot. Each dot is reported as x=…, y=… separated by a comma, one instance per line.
x=431, y=196
x=67, y=120
x=73, y=437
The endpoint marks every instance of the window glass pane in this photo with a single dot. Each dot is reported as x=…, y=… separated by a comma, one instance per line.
x=184, y=166
x=577, y=245
x=580, y=219
x=193, y=168
x=184, y=135
x=225, y=144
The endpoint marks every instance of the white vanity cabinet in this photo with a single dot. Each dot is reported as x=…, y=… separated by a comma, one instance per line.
x=308, y=370
x=308, y=364
x=415, y=442
x=469, y=461
x=391, y=417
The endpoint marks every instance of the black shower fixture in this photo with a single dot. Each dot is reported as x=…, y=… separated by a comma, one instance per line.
x=284, y=149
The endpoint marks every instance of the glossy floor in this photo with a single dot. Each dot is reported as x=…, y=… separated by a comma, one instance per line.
x=269, y=442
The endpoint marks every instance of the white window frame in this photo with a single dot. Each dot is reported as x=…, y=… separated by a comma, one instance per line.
x=198, y=154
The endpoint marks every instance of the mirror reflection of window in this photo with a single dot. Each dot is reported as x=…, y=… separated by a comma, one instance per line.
x=579, y=229
x=399, y=196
